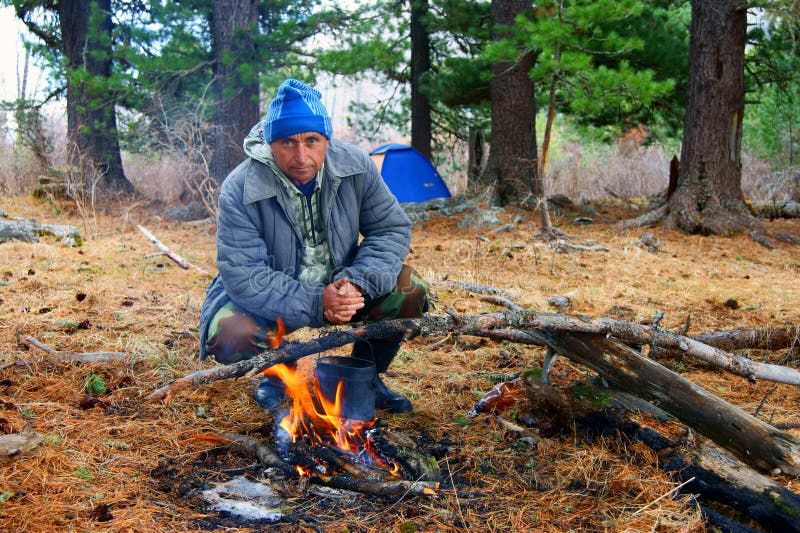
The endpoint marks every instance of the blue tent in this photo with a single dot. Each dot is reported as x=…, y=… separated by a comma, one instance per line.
x=409, y=175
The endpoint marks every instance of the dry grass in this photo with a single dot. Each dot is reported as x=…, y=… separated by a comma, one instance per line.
x=138, y=461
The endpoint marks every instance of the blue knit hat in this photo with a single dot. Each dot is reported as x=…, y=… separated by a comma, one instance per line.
x=296, y=109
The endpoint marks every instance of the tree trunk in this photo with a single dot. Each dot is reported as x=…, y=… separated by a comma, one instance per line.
x=86, y=29
x=708, y=198
x=513, y=154
x=420, y=66
x=233, y=23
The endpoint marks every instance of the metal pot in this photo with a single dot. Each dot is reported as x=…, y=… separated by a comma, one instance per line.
x=358, y=391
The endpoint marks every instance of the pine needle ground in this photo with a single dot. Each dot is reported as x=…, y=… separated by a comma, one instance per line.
x=112, y=461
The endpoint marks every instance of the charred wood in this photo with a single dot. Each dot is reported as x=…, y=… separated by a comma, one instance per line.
x=261, y=451
x=335, y=460
x=288, y=352
x=754, y=442
x=705, y=468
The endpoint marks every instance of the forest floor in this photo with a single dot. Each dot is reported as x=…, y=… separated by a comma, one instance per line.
x=113, y=461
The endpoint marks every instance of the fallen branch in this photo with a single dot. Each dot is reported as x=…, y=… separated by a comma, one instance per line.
x=288, y=352
x=252, y=446
x=86, y=357
x=702, y=467
x=752, y=339
x=524, y=435
x=19, y=444
x=754, y=442
x=586, y=341
x=499, y=300
x=183, y=263
x=480, y=289
x=397, y=488
x=562, y=247
x=629, y=332
x=739, y=339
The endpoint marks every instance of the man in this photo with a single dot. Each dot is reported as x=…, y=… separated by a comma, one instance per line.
x=288, y=247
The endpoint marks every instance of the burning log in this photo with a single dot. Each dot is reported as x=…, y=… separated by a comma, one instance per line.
x=396, y=488
x=323, y=435
x=329, y=422
x=327, y=459
x=288, y=352
x=350, y=480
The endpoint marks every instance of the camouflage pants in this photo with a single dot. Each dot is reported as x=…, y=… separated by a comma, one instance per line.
x=234, y=334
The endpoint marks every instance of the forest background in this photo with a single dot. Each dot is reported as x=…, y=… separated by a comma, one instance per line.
x=143, y=113
x=172, y=88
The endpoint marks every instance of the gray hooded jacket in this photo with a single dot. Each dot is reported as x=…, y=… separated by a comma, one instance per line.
x=259, y=246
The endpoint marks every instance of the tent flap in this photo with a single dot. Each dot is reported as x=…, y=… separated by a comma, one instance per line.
x=408, y=174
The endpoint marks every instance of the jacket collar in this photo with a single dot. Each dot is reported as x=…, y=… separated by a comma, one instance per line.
x=261, y=183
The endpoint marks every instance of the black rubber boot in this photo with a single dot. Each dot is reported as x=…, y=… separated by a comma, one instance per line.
x=270, y=393
x=381, y=352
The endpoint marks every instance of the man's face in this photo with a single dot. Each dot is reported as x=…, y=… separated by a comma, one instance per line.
x=301, y=155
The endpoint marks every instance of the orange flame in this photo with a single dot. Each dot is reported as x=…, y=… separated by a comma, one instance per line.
x=318, y=419
x=276, y=337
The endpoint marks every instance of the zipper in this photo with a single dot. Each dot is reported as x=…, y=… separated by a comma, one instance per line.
x=311, y=218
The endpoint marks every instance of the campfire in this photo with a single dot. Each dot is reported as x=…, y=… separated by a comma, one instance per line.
x=319, y=417
x=327, y=432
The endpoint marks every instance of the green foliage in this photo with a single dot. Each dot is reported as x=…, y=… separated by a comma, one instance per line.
x=52, y=439
x=84, y=473
x=461, y=421
x=616, y=64
x=95, y=385
x=772, y=116
x=585, y=391
x=407, y=527
x=601, y=55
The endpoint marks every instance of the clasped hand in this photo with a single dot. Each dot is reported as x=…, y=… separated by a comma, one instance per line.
x=341, y=300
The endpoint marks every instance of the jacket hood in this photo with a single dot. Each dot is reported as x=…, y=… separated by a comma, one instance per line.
x=256, y=146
